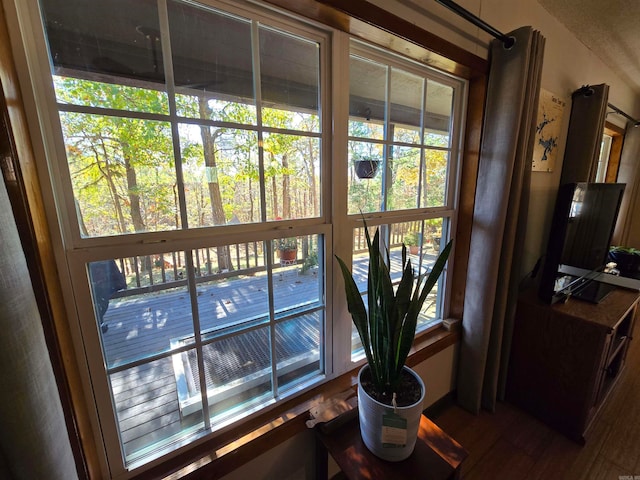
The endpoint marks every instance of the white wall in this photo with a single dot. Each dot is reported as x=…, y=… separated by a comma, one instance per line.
x=568, y=65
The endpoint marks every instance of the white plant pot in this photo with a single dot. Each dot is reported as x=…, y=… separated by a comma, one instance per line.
x=371, y=413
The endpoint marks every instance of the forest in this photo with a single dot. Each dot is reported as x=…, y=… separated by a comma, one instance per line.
x=130, y=172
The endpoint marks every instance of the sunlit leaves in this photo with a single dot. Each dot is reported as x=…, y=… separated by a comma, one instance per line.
x=124, y=174
x=109, y=95
x=121, y=171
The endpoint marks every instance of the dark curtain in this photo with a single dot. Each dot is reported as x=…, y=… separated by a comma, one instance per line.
x=584, y=138
x=499, y=219
x=34, y=443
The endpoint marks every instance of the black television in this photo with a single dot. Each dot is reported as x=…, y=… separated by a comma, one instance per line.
x=583, y=221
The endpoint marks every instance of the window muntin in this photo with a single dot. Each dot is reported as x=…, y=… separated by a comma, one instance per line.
x=253, y=115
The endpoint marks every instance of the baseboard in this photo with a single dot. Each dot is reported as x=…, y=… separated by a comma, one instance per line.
x=439, y=406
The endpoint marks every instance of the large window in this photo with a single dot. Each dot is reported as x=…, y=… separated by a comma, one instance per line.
x=403, y=146
x=197, y=179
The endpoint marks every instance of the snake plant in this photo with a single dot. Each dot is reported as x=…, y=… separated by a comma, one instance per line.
x=387, y=328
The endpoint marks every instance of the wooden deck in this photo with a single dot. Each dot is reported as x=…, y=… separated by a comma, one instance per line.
x=146, y=323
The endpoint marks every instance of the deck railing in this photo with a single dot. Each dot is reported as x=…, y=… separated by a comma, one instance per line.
x=168, y=270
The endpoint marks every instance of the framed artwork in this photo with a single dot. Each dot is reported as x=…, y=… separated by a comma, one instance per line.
x=545, y=150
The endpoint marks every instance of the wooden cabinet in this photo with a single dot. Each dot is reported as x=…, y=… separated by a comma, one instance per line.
x=565, y=358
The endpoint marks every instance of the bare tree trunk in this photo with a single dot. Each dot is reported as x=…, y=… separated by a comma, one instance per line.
x=134, y=197
x=274, y=193
x=106, y=172
x=312, y=180
x=251, y=206
x=286, y=199
x=83, y=227
x=217, y=211
x=136, y=212
x=176, y=204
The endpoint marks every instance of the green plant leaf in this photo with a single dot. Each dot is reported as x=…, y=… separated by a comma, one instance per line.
x=387, y=328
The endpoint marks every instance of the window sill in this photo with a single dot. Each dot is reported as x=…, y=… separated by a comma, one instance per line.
x=225, y=453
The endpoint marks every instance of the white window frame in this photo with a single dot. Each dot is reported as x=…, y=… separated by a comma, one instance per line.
x=345, y=222
x=73, y=251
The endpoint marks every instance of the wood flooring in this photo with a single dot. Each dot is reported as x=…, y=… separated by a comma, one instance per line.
x=510, y=444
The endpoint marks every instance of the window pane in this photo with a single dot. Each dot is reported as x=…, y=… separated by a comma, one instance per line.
x=367, y=94
x=298, y=349
x=147, y=407
x=406, y=106
x=281, y=118
x=298, y=277
x=204, y=106
x=231, y=287
x=359, y=270
x=141, y=304
x=405, y=176
x=110, y=95
x=289, y=68
x=212, y=63
x=423, y=241
x=292, y=166
x=365, y=177
x=124, y=44
x=435, y=178
x=220, y=171
x=238, y=372
x=438, y=115
x=122, y=173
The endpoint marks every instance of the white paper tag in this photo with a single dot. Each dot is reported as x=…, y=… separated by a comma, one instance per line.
x=394, y=431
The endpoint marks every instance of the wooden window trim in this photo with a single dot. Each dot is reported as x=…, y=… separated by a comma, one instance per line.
x=617, y=139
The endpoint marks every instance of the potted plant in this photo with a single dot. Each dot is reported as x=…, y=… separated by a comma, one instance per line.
x=287, y=248
x=413, y=240
x=366, y=167
x=389, y=393
x=310, y=263
x=627, y=260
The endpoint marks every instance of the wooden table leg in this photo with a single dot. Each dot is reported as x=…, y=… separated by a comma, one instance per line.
x=322, y=461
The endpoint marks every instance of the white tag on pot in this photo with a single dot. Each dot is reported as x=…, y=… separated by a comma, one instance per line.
x=394, y=431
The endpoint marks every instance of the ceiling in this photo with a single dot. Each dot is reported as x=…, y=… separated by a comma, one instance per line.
x=611, y=30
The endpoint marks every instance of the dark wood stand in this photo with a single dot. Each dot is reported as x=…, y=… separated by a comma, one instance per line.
x=566, y=357
x=436, y=456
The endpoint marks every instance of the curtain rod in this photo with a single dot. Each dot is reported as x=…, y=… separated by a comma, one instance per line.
x=478, y=22
x=587, y=91
x=636, y=123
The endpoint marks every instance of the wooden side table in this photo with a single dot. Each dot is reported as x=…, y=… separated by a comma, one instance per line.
x=437, y=456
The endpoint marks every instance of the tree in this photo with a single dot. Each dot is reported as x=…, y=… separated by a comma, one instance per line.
x=106, y=155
